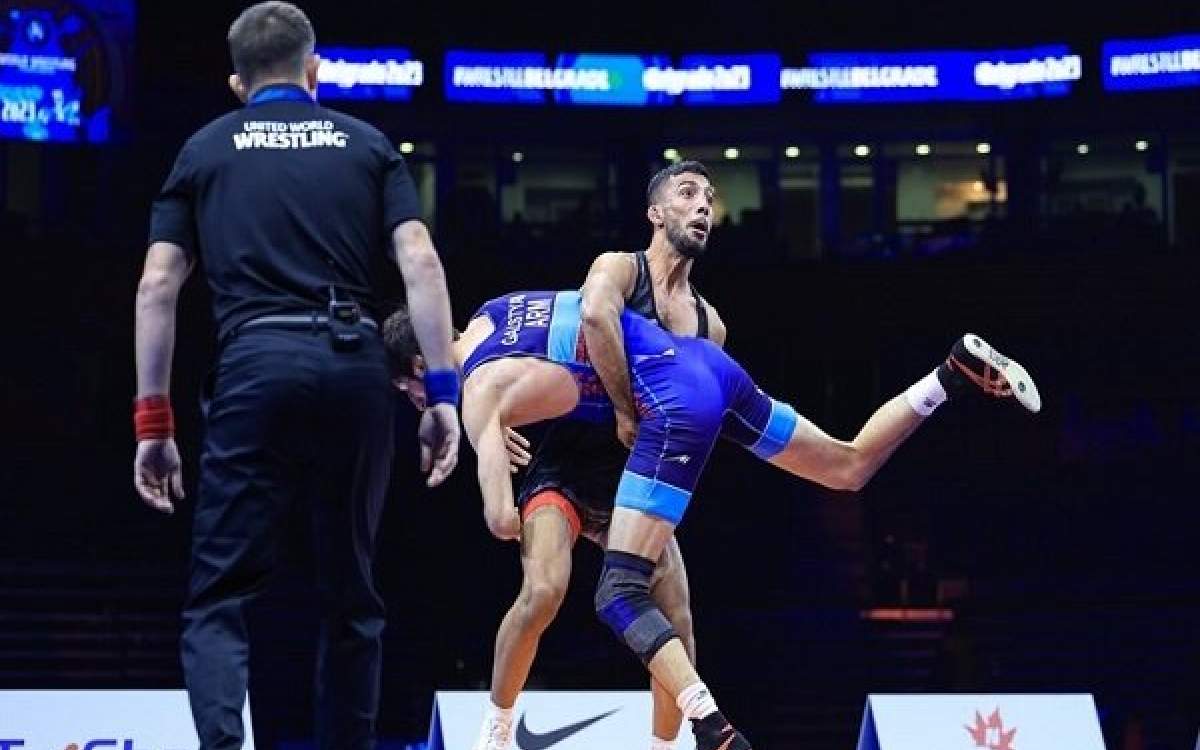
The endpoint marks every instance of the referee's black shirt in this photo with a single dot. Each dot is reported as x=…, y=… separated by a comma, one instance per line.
x=281, y=199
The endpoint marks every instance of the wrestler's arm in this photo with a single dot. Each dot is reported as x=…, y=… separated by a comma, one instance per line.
x=609, y=283
x=716, y=326
x=482, y=420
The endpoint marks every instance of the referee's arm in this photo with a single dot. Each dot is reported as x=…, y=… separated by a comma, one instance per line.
x=157, y=470
x=429, y=307
x=426, y=293
x=167, y=267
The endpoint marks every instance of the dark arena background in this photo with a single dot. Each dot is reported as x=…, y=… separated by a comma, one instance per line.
x=861, y=229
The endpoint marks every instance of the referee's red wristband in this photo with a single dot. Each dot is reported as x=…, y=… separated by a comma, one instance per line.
x=153, y=418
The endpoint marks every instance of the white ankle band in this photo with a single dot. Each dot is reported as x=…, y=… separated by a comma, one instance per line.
x=926, y=394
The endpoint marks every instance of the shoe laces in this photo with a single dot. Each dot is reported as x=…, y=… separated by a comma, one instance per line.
x=992, y=381
x=499, y=732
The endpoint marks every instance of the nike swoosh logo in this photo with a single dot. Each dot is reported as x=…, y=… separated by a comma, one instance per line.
x=527, y=740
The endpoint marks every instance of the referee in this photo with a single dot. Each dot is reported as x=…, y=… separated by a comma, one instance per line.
x=284, y=203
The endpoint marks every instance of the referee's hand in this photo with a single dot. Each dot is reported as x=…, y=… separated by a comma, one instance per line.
x=157, y=473
x=438, y=435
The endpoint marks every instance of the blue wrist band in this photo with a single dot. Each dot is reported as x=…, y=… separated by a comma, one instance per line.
x=441, y=387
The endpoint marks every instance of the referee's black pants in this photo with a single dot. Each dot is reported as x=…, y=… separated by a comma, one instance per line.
x=287, y=417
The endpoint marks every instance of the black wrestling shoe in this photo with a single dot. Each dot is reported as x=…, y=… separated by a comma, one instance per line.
x=713, y=732
x=974, y=366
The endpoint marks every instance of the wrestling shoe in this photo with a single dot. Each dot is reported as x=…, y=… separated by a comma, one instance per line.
x=495, y=734
x=973, y=365
x=713, y=732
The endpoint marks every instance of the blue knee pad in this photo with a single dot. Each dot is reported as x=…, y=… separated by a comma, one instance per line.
x=624, y=604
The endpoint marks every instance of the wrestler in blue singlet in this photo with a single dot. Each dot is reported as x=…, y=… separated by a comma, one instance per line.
x=688, y=392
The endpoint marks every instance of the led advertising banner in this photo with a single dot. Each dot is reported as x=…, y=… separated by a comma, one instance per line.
x=558, y=719
x=611, y=79
x=387, y=73
x=101, y=720
x=1143, y=64
x=721, y=79
x=880, y=77
x=509, y=77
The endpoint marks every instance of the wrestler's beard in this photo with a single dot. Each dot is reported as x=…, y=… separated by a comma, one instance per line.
x=679, y=238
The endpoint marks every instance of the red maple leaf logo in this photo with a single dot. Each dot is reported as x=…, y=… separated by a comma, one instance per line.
x=977, y=732
x=990, y=734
